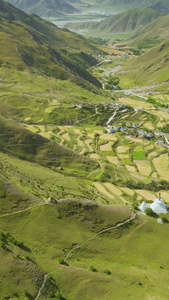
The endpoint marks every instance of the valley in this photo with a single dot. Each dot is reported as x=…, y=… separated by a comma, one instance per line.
x=84, y=140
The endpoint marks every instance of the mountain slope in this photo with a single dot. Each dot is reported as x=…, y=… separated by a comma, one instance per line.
x=152, y=67
x=125, y=22
x=153, y=33
x=122, y=5
x=44, y=8
x=26, y=145
x=39, y=45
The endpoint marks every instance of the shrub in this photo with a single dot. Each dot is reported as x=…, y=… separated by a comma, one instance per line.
x=164, y=219
x=57, y=296
x=61, y=260
x=93, y=269
x=149, y=212
x=135, y=206
x=107, y=272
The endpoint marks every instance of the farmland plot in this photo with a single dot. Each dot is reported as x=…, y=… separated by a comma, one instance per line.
x=144, y=167
x=150, y=196
x=102, y=189
x=107, y=147
x=161, y=165
x=113, y=159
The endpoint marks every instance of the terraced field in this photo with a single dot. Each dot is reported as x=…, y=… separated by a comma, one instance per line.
x=135, y=167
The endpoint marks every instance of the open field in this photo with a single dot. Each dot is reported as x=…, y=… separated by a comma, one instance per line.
x=144, y=167
x=107, y=147
x=100, y=187
x=146, y=195
x=113, y=160
x=161, y=165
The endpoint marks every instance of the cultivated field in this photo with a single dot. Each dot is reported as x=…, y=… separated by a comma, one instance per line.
x=132, y=164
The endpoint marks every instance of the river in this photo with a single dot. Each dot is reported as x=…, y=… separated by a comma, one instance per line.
x=82, y=17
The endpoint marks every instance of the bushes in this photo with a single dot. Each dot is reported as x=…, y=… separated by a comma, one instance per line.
x=107, y=272
x=135, y=207
x=112, y=83
x=150, y=212
x=62, y=261
x=164, y=219
x=93, y=269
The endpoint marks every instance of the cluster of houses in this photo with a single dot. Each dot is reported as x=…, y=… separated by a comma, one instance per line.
x=133, y=130
x=141, y=133
x=161, y=140
x=105, y=105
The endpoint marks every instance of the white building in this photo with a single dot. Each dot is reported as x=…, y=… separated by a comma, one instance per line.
x=158, y=206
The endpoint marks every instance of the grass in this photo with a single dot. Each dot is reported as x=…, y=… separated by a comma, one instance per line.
x=23, y=228
x=36, y=182
x=129, y=266
x=139, y=155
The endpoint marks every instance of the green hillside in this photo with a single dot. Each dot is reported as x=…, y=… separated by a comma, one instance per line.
x=126, y=22
x=152, y=67
x=23, y=144
x=152, y=34
x=122, y=5
x=38, y=45
x=53, y=250
x=44, y=8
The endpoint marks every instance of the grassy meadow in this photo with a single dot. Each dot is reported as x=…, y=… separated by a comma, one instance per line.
x=81, y=241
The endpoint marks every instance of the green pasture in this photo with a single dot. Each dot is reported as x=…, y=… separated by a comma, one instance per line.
x=140, y=262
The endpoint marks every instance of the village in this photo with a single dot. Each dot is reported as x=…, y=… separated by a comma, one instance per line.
x=129, y=129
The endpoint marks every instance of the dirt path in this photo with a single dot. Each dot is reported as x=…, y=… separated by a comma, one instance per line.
x=131, y=217
x=112, y=117
x=43, y=284
x=101, y=232
x=21, y=211
x=127, y=239
x=79, y=121
x=102, y=62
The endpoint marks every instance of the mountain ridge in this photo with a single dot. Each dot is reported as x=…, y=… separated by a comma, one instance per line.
x=45, y=8
x=121, y=5
x=128, y=21
x=152, y=33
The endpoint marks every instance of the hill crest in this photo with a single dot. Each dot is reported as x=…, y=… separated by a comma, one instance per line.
x=45, y=8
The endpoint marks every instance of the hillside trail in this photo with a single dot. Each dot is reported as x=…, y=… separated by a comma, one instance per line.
x=23, y=210
x=43, y=284
x=117, y=225
x=112, y=117
x=134, y=231
x=131, y=218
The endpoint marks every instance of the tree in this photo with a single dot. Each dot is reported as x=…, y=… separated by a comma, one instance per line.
x=96, y=140
x=150, y=212
x=112, y=83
